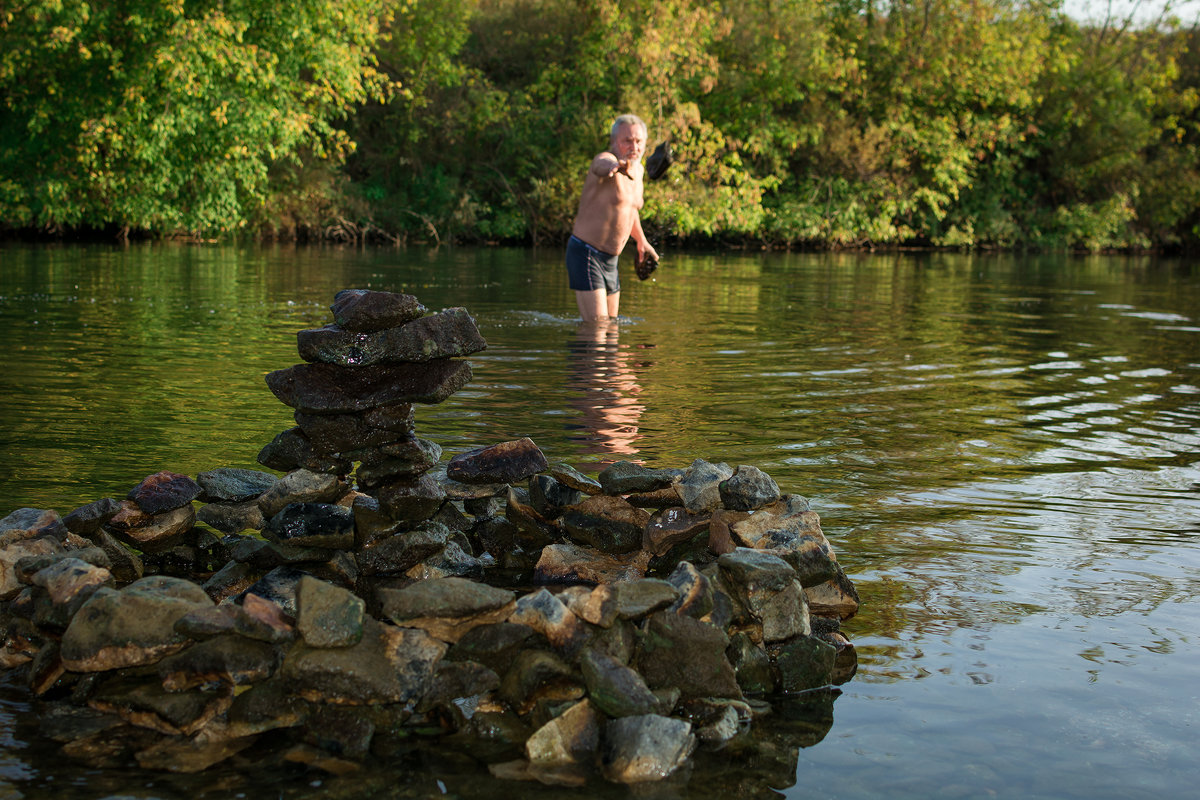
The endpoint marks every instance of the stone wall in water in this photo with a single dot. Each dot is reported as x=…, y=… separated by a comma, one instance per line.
x=372, y=589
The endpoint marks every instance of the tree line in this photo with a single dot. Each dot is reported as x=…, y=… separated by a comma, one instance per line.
x=794, y=123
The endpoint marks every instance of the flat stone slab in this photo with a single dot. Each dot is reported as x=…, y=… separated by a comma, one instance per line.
x=446, y=334
x=330, y=388
x=507, y=462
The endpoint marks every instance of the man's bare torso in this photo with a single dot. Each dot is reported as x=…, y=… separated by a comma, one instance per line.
x=609, y=205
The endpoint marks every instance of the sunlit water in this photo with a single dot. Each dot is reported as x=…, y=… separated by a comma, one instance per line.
x=1005, y=453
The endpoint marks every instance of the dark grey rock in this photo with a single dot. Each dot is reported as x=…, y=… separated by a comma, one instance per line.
x=371, y=310
x=292, y=450
x=636, y=599
x=748, y=489
x=231, y=485
x=609, y=524
x=279, y=587
x=302, y=486
x=411, y=500
x=496, y=645
x=223, y=660
x=672, y=526
x=569, y=476
x=804, y=663
x=327, y=615
x=337, y=433
x=88, y=519
x=321, y=525
x=405, y=458
x=549, y=497
x=645, y=748
x=232, y=517
x=614, y=688
x=625, y=477
x=699, y=489
x=401, y=552
x=751, y=664
x=329, y=388
x=686, y=654
x=446, y=334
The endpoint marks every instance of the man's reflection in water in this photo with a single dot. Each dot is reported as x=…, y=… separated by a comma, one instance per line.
x=606, y=391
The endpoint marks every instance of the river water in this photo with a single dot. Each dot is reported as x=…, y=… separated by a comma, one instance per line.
x=1004, y=451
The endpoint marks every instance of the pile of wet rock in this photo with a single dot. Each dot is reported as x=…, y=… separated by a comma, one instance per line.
x=567, y=626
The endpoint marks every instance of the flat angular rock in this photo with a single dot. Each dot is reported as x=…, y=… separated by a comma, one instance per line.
x=457, y=680
x=614, y=688
x=625, y=477
x=571, y=563
x=835, y=598
x=507, y=462
x=672, y=526
x=14, y=552
x=638, y=598
x=405, y=458
x=546, y=614
x=31, y=523
x=609, y=524
x=278, y=587
x=130, y=627
x=569, y=476
x=549, y=497
x=411, y=500
x=329, y=388
x=293, y=450
x=210, y=746
x=748, y=489
x=401, y=552
x=26, y=568
x=321, y=525
x=301, y=486
x=658, y=499
x=447, y=334
x=70, y=578
x=87, y=519
x=328, y=615
x=227, y=660
x=699, y=489
x=751, y=664
x=597, y=604
x=229, y=485
x=152, y=533
x=686, y=654
x=369, y=310
x=448, y=597
x=335, y=433
x=570, y=738
x=804, y=663
x=645, y=748
x=125, y=565
x=495, y=645
x=164, y=491
x=147, y=704
x=766, y=586
x=232, y=517
x=695, y=591
x=388, y=665
x=534, y=530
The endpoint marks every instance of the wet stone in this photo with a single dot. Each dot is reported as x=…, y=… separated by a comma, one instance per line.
x=371, y=524
x=597, y=605
x=507, y=462
x=688, y=655
x=368, y=310
x=164, y=491
x=210, y=746
x=88, y=519
x=31, y=523
x=388, y=665
x=660, y=499
x=328, y=615
x=329, y=388
x=336, y=433
x=293, y=450
x=639, y=598
x=625, y=477
x=301, y=486
x=152, y=533
x=147, y=704
x=232, y=517
x=495, y=645
x=401, y=552
x=446, y=597
x=614, y=688
x=342, y=732
x=320, y=525
x=26, y=568
x=699, y=488
x=278, y=587
x=130, y=627
x=547, y=615
x=835, y=598
x=14, y=553
x=411, y=500
x=571, y=563
x=804, y=663
x=70, y=581
x=228, y=485
x=457, y=680
x=446, y=334
x=571, y=737
x=645, y=748
x=672, y=526
x=694, y=589
x=125, y=565
x=405, y=458
x=609, y=524
x=573, y=478
x=549, y=497
x=751, y=664
x=228, y=660
x=534, y=530
x=749, y=488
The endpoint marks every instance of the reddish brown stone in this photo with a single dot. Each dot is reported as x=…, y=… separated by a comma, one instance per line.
x=164, y=491
x=507, y=462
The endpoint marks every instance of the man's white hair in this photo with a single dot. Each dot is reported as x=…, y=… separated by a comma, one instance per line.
x=626, y=119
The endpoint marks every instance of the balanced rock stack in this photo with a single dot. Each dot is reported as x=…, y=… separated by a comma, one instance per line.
x=354, y=396
x=331, y=616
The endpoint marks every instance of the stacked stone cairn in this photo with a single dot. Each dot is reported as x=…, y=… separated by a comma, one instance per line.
x=327, y=614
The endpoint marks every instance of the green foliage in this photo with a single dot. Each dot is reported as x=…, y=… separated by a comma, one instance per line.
x=173, y=115
x=957, y=123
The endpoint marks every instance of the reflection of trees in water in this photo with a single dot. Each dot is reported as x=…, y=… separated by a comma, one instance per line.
x=605, y=391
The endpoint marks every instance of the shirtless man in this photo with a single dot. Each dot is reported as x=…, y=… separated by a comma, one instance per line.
x=607, y=218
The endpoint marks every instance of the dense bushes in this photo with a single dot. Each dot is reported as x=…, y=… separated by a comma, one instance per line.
x=977, y=123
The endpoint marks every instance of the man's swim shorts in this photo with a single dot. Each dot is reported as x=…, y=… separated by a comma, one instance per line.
x=589, y=268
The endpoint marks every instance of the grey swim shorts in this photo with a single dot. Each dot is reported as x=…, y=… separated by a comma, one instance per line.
x=589, y=268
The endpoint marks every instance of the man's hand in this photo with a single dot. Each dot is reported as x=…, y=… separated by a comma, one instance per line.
x=622, y=166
